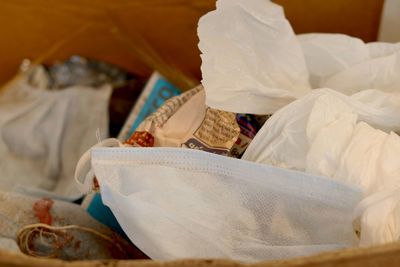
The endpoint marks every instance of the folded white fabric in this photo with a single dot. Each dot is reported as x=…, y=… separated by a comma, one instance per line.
x=180, y=203
x=43, y=134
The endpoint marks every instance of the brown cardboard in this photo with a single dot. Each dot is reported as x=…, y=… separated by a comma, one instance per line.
x=358, y=18
x=385, y=256
x=28, y=28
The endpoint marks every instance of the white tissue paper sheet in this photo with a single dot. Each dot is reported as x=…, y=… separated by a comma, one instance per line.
x=329, y=134
x=328, y=54
x=380, y=49
x=286, y=137
x=377, y=218
x=180, y=203
x=377, y=73
x=348, y=65
x=43, y=134
x=252, y=61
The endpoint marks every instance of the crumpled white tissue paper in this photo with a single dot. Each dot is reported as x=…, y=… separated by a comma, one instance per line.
x=252, y=61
